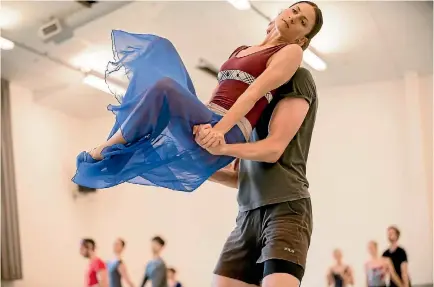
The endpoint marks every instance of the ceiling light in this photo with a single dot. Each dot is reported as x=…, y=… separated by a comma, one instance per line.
x=240, y=4
x=314, y=61
x=102, y=85
x=95, y=59
x=8, y=18
x=6, y=44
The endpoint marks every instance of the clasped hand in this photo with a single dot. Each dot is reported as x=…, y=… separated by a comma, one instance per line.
x=209, y=138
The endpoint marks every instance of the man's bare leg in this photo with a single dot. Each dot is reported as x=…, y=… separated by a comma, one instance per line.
x=280, y=280
x=221, y=281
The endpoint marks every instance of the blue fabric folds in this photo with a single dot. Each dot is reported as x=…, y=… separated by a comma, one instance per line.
x=156, y=116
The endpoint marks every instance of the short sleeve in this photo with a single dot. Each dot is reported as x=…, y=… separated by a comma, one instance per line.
x=404, y=256
x=100, y=265
x=386, y=254
x=301, y=85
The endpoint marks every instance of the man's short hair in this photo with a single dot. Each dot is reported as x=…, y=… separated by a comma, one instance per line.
x=171, y=269
x=122, y=242
x=396, y=229
x=159, y=240
x=88, y=243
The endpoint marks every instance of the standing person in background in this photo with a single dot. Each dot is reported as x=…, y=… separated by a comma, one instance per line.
x=156, y=270
x=398, y=256
x=171, y=278
x=340, y=274
x=96, y=275
x=378, y=268
x=116, y=268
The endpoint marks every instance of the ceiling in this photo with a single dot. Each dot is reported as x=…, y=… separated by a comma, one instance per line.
x=360, y=42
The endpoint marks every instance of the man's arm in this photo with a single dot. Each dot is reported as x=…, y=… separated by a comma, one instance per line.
x=145, y=279
x=286, y=120
x=103, y=278
x=404, y=269
x=227, y=176
x=393, y=276
x=124, y=274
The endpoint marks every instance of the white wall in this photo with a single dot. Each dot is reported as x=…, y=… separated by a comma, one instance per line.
x=51, y=223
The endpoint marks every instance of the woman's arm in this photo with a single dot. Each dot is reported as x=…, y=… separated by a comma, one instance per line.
x=330, y=280
x=348, y=276
x=281, y=68
x=227, y=176
x=124, y=274
x=392, y=272
x=366, y=274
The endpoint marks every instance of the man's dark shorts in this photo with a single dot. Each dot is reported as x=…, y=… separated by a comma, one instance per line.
x=273, y=237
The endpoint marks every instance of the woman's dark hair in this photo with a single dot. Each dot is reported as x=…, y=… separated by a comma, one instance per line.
x=318, y=22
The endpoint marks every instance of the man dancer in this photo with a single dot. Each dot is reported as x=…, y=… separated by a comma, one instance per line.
x=96, y=276
x=271, y=239
x=398, y=256
x=156, y=270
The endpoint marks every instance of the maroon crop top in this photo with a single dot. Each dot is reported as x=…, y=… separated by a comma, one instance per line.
x=235, y=76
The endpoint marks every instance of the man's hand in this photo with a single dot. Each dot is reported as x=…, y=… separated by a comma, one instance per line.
x=208, y=138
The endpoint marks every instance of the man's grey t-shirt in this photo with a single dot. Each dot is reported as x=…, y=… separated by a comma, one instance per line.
x=262, y=183
x=156, y=272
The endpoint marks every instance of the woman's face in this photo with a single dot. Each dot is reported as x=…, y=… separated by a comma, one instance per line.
x=372, y=248
x=295, y=22
x=118, y=246
x=337, y=254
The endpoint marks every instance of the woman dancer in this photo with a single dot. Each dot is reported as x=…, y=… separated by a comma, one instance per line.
x=116, y=267
x=151, y=142
x=378, y=268
x=340, y=274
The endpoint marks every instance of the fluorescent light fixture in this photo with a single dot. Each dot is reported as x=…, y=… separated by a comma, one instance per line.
x=8, y=18
x=6, y=44
x=314, y=61
x=95, y=59
x=240, y=4
x=100, y=84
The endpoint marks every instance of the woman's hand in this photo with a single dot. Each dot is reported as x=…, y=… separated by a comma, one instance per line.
x=207, y=137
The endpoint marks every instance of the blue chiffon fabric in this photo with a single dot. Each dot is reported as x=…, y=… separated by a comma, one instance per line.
x=155, y=116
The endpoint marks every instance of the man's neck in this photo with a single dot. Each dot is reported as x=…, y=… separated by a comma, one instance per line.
x=393, y=246
x=92, y=256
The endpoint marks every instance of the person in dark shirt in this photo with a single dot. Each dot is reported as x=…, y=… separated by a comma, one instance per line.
x=156, y=270
x=398, y=256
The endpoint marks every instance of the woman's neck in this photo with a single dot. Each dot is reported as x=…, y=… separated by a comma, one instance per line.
x=273, y=39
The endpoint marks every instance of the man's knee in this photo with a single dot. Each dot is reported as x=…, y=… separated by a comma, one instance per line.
x=221, y=281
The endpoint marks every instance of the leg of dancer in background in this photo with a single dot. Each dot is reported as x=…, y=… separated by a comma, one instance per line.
x=156, y=270
x=275, y=220
x=96, y=275
x=117, y=269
